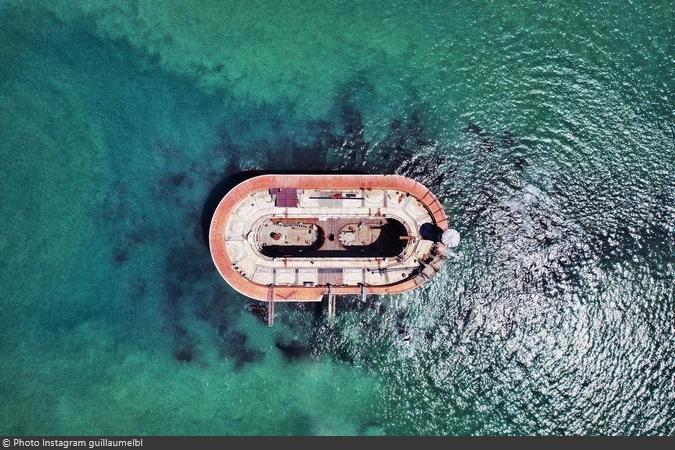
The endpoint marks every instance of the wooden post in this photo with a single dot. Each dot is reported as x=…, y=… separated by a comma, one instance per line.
x=331, y=302
x=332, y=299
x=270, y=306
x=363, y=292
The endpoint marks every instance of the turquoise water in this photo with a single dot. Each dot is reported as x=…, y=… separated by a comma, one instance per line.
x=545, y=128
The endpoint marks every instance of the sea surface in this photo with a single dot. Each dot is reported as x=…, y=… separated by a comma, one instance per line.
x=547, y=129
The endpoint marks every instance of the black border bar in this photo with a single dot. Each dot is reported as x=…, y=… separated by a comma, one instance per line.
x=326, y=443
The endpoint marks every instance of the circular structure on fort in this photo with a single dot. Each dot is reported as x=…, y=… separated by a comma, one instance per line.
x=300, y=237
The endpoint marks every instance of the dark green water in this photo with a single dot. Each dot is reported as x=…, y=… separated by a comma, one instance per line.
x=547, y=129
